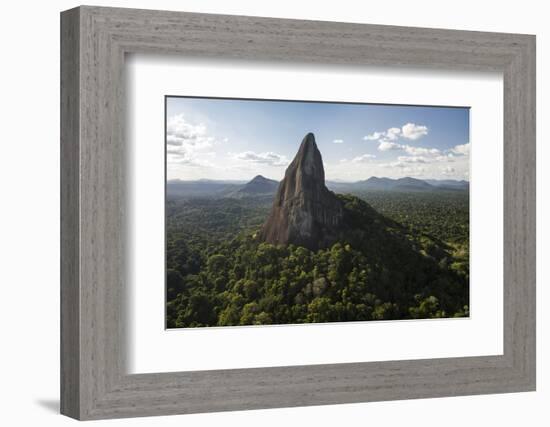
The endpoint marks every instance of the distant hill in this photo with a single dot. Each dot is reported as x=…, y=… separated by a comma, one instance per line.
x=406, y=184
x=400, y=184
x=258, y=186
x=449, y=183
x=261, y=186
x=200, y=188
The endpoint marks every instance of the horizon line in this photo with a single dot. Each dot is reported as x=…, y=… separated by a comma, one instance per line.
x=326, y=180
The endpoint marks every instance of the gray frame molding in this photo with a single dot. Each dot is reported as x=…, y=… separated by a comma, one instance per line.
x=94, y=41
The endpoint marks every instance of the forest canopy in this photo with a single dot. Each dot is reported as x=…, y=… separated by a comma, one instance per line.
x=407, y=258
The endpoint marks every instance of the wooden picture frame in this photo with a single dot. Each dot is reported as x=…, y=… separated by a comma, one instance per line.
x=94, y=382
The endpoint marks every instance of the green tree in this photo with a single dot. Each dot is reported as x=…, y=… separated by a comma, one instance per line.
x=319, y=310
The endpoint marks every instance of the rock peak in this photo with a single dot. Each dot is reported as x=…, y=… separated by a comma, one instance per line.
x=304, y=211
x=309, y=139
x=309, y=159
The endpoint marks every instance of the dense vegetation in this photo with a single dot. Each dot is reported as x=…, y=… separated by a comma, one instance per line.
x=406, y=258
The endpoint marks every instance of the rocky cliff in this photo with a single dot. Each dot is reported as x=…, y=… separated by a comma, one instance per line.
x=304, y=212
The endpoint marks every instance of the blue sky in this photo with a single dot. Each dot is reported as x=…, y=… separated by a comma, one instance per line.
x=238, y=139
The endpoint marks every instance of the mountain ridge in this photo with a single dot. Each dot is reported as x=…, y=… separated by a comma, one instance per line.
x=257, y=186
x=262, y=186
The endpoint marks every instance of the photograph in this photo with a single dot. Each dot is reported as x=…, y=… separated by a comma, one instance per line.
x=289, y=212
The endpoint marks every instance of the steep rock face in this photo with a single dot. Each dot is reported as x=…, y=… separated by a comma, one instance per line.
x=304, y=212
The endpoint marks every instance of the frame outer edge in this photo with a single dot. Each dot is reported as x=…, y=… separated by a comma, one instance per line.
x=532, y=117
x=520, y=215
x=89, y=352
x=528, y=128
x=70, y=396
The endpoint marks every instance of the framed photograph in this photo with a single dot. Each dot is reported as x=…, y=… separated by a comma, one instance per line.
x=262, y=213
x=263, y=234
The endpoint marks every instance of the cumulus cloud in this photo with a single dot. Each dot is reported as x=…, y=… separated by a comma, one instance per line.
x=375, y=136
x=418, y=151
x=449, y=158
x=364, y=158
x=461, y=150
x=400, y=165
x=412, y=159
x=180, y=155
x=190, y=160
x=179, y=131
x=403, y=159
x=392, y=134
x=338, y=141
x=388, y=146
x=413, y=131
x=268, y=158
x=186, y=141
x=415, y=152
x=405, y=168
x=409, y=131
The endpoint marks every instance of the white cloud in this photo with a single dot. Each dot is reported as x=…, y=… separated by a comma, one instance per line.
x=338, y=141
x=449, y=158
x=395, y=165
x=375, y=136
x=405, y=168
x=268, y=158
x=387, y=146
x=413, y=131
x=392, y=134
x=408, y=131
x=180, y=132
x=412, y=159
x=186, y=142
x=179, y=156
x=461, y=150
x=418, y=151
x=424, y=162
x=419, y=154
x=364, y=158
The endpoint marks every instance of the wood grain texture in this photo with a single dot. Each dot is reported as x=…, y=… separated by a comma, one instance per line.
x=70, y=221
x=94, y=273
